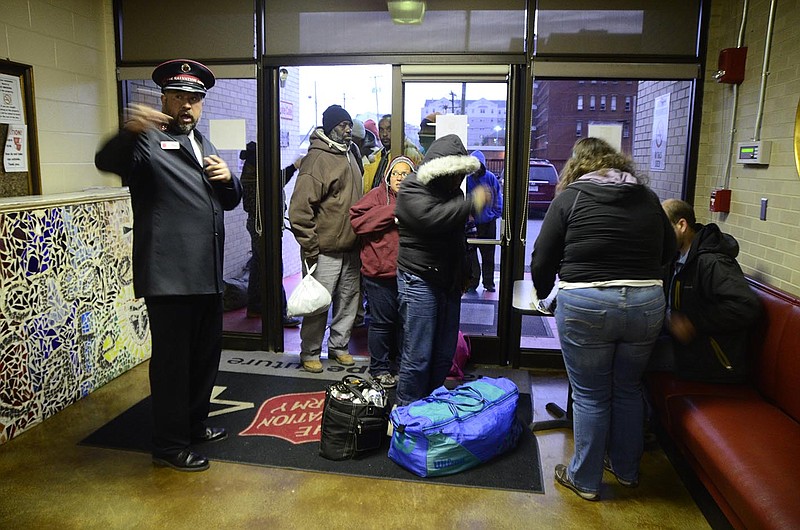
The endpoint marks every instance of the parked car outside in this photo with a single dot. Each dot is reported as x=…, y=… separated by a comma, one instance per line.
x=542, y=179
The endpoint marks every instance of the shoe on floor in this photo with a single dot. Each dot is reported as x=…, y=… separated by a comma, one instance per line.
x=183, y=461
x=626, y=483
x=563, y=479
x=291, y=322
x=315, y=367
x=490, y=289
x=345, y=359
x=386, y=380
x=210, y=434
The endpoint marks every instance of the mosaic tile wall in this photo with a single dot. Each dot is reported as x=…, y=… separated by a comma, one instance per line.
x=69, y=322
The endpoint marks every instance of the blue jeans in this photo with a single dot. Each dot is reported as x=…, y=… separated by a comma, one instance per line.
x=385, y=328
x=607, y=336
x=430, y=318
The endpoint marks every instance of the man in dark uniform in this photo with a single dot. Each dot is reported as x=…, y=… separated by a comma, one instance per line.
x=179, y=188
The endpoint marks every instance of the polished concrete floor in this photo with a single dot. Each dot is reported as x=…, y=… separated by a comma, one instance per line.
x=48, y=481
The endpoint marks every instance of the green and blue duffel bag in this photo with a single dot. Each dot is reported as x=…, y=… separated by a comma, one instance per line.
x=454, y=430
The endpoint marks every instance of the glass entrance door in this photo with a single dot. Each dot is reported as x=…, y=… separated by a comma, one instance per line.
x=476, y=111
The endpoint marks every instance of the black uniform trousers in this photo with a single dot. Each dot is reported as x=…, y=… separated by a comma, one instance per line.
x=186, y=334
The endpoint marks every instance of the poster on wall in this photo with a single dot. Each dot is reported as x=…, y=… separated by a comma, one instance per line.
x=611, y=133
x=453, y=124
x=15, y=156
x=228, y=134
x=658, y=145
x=10, y=100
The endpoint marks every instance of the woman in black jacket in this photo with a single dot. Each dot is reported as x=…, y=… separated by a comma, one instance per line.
x=608, y=239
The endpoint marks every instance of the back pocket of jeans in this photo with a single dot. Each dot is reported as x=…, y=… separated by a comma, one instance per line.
x=583, y=317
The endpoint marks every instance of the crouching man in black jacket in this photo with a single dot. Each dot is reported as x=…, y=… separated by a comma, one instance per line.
x=711, y=307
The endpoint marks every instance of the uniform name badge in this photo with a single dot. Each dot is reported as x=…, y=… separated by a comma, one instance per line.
x=170, y=145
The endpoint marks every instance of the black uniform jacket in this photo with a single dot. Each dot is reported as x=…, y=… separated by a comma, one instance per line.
x=178, y=228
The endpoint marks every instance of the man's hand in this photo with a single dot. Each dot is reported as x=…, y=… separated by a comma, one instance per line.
x=481, y=196
x=216, y=169
x=309, y=261
x=681, y=328
x=142, y=117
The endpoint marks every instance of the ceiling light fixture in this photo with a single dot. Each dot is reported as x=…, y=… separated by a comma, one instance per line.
x=406, y=11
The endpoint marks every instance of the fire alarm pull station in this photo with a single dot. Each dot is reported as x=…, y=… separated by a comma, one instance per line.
x=730, y=67
x=720, y=201
x=756, y=152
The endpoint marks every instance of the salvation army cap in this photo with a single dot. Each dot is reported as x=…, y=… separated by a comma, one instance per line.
x=185, y=75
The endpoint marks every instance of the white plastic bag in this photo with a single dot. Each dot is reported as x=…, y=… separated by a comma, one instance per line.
x=309, y=297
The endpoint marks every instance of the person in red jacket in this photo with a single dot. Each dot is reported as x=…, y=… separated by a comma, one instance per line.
x=374, y=222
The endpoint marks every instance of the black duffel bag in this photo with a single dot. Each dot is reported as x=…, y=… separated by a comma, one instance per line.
x=354, y=418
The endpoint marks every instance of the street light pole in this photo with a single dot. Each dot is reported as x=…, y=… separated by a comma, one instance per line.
x=376, y=90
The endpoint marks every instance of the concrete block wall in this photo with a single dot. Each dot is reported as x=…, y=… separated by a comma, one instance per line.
x=71, y=48
x=233, y=99
x=290, y=125
x=668, y=183
x=769, y=249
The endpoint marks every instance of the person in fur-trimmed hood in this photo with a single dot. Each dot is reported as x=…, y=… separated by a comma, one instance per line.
x=431, y=267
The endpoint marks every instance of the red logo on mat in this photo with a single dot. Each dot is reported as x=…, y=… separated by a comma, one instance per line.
x=295, y=418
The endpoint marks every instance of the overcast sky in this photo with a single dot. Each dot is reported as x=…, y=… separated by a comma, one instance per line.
x=354, y=87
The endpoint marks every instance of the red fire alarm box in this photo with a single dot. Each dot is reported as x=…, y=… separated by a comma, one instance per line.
x=730, y=67
x=720, y=201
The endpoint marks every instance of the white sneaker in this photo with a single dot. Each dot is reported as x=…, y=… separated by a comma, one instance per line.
x=386, y=380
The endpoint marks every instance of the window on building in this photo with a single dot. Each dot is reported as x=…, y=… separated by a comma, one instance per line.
x=626, y=132
x=613, y=103
x=580, y=102
x=602, y=103
x=592, y=102
x=628, y=103
x=578, y=128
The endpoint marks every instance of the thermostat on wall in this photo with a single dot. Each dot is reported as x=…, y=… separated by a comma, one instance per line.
x=755, y=152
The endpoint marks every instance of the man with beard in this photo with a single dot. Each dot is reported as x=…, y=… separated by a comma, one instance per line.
x=328, y=184
x=179, y=188
x=382, y=157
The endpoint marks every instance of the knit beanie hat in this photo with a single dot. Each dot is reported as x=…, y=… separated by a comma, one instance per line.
x=396, y=160
x=358, y=129
x=333, y=116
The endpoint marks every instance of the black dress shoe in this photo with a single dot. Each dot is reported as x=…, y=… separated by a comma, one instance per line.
x=211, y=434
x=183, y=461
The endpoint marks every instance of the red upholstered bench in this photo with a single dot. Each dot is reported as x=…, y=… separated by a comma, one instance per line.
x=743, y=441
